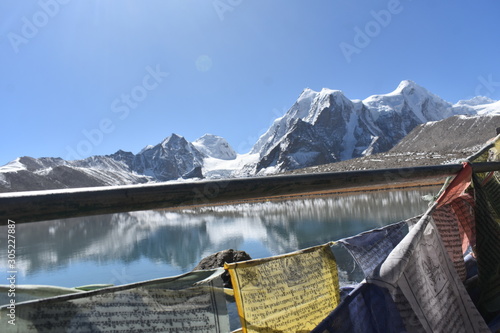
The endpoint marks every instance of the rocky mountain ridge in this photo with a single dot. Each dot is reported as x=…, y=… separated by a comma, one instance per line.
x=319, y=129
x=448, y=141
x=326, y=127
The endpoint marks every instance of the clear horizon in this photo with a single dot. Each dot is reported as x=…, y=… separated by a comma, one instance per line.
x=95, y=77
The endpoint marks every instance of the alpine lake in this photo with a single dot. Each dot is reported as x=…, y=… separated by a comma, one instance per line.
x=136, y=246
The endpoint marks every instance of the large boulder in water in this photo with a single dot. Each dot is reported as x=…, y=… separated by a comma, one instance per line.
x=218, y=259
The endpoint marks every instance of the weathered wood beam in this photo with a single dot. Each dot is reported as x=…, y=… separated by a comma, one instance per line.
x=56, y=204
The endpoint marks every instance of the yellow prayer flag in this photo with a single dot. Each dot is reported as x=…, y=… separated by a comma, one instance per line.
x=287, y=293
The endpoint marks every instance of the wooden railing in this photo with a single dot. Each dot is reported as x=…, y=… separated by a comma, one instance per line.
x=56, y=204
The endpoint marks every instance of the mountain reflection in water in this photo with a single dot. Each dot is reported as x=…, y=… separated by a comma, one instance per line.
x=129, y=247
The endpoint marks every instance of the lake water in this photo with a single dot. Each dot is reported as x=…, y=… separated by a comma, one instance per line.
x=136, y=246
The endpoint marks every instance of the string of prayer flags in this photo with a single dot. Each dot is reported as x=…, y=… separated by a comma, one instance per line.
x=288, y=293
x=193, y=302
x=420, y=269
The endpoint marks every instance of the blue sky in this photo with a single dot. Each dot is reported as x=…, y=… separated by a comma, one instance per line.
x=88, y=77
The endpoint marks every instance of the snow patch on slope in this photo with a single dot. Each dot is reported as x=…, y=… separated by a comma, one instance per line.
x=13, y=166
x=237, y=167
x=488, y=109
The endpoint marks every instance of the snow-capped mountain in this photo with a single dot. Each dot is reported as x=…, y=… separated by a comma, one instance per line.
x=174, y=157
x=171, y=159
x=215, y=146
x=28, y=174
x=324, y=127
x=481, y=105
x=320, y=127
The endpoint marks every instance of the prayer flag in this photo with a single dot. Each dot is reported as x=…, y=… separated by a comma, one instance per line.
x=367, y=309
x=370, y=248
x=193, y=302
x=288, y=293
x=420, y=270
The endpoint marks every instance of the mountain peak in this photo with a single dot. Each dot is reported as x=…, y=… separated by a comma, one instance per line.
x=331, y=91
x=215, y=146
x=309, y=98
x=173, y=138
x=176, y=136
x=306, y=96
x=309, y=94
x=407, y=83
x=208, y=137
x=478, y=100
x=408, y=87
